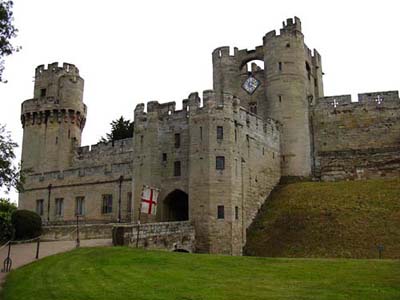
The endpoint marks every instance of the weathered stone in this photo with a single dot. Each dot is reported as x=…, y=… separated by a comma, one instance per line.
x=216, y=160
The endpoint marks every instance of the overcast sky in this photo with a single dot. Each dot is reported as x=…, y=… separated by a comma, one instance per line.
x=136, y=51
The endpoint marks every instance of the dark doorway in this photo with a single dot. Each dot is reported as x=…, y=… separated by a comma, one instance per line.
x=176, y=206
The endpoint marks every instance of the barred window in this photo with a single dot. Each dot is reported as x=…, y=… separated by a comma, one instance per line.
x=39, y=207
x=107, y=204
x=220, y=162
x=80, y=206
x=59, y=207
x=177, y=168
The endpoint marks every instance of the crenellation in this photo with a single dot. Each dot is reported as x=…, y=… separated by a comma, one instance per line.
x=215, y=161
x=385, y=99
x=54, y=68
x=379, y=97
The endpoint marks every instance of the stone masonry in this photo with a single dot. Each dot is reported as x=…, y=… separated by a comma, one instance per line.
x=217, y=159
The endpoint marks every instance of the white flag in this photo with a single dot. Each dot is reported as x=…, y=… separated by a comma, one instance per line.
x=149, y=200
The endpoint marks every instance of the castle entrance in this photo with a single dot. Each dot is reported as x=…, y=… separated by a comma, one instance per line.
x=176, y=206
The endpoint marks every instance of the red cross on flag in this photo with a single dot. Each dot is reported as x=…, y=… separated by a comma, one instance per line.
x=149, y=200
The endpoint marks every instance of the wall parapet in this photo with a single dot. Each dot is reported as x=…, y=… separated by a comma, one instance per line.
x=118, y=146
x=378, y=99
x=170, y=236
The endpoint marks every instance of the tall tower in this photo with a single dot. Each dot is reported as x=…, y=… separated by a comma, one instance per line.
x=291, y=87
x=54, y=119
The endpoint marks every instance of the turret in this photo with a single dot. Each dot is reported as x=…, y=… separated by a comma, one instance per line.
x=287, y=77
x=54, y=119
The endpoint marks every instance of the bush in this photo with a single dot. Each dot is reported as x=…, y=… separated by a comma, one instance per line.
x=6, y=210
x=27, y=224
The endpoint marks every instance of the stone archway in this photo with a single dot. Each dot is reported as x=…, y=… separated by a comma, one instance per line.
x=176, y=206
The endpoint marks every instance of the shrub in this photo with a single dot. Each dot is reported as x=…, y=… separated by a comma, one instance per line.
x=6, y=210
x=27, y=224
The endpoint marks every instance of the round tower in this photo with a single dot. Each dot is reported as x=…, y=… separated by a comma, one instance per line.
x=54, y=119
x=286, y=93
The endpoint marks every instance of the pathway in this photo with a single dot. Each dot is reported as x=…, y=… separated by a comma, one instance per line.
x=23, y=254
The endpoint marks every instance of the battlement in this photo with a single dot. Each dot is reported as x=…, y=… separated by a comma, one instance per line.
x=383, y=99
x=224, y=51
x=291, y=26
x=242, y=54
x=191, y=104
x=125, y=145
x=54, y=68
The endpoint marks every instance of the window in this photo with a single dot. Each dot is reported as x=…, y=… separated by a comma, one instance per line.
x=107, y=204
x=177, y=168
x=201, y=133
x=164, y=157
x=129, y=203
x=220, y=132
x=220, y=212
x=280, y=98
x=80, y=206
x=59, y=207
x=235, y=135
x=39, y=207
x=280, y=66
x=253, y=108
x=236, y=213
x=42, y=92
x=220, y=162
x=177, y=140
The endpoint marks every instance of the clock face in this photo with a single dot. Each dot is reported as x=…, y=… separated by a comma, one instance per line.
x=250, y=85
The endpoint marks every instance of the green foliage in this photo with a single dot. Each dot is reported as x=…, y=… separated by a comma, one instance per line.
x=120, y=129
x=27, y=224
x=7, y=32
x=126, y=273
x=10, y=176
x=329, y=219
x=6, y=210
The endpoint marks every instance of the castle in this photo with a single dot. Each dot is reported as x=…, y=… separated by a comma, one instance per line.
x=216, y=160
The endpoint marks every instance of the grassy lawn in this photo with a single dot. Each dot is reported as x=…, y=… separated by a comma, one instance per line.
x=346, y=219
x=124, y=273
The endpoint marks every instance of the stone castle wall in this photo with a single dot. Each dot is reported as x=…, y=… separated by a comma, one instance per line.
x=285, y=127
x=356, y=140
x=95, y=171
x=249, y=145
x=171, y=236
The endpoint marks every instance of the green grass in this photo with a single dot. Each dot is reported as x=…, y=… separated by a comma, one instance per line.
x=329, y=219
x=125, y=273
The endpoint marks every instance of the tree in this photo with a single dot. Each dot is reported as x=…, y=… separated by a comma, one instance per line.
x=6, y=210
x=10, y=175
x=120, y=129
x=7, y=32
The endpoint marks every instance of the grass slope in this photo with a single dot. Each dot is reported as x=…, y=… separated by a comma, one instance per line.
x=329, y=219
x=125, y=273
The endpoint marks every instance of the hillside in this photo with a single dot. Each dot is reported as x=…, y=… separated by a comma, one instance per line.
x=329, y=219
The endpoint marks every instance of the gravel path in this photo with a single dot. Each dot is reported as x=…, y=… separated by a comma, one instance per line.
x=23, y=254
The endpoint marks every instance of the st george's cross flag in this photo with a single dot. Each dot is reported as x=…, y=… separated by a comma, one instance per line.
x=149, y=200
